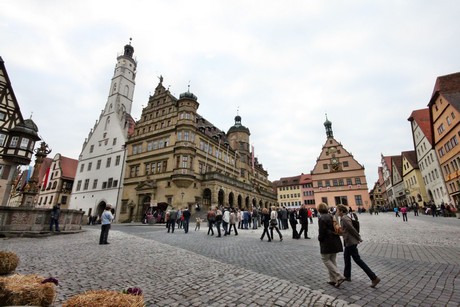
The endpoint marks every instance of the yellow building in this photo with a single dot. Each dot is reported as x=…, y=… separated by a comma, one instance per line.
x=444, y=108
x=176, y=158
x=337, y=177
x=413, y=181
x=289, y=191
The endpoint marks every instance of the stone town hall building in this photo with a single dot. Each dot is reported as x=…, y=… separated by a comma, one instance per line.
x=177, y=158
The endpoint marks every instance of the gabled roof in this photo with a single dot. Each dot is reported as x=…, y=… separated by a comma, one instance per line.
x=447, y=83
x=453, y=99
x=422, y=118
x=411, y=157
x=397, y=161
x=69, y=167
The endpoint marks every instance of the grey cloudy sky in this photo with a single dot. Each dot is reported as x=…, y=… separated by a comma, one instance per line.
x=283, y=64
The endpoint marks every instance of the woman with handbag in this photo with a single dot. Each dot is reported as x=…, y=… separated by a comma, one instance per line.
x=330, y=244
x=274, y=223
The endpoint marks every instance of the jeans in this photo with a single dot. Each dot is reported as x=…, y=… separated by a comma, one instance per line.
x=225, y=226
x=172, y=224
x=218, y=228
x=186, y=224
x=104, y=234
x=304, y=227
x=277, y=230
x=54, y=222
x=254, y=223
x=230, y=229
x=210, y=230
x=266, y=232
x=352, y=252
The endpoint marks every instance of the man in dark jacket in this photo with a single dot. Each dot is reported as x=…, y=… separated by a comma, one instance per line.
x=303, y=219
x=186, y=214
x=55, y=214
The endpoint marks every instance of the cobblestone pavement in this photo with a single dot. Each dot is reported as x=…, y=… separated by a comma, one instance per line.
x=418, y=262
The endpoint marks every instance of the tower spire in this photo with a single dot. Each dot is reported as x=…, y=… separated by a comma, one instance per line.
x=328, y=126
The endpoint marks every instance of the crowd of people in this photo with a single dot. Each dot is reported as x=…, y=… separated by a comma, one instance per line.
x=225, y=219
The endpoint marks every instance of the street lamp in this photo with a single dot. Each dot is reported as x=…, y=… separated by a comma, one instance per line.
x=182, y=203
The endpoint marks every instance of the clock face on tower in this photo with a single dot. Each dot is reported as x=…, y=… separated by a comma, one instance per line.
x=335, y=164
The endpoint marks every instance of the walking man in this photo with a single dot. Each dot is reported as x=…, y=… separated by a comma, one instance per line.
x=55, y=214
x=303, y=219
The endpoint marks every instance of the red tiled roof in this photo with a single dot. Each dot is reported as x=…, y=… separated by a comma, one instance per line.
x=447, y=83
x=411, y=157
x=422, y=118
x=305, y=178
x=69, y=167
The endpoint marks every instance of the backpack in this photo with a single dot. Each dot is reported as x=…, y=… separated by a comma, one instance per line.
x=354, y=221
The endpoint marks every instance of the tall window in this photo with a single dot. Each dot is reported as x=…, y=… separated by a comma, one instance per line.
x=85, y=187
x=98, y=165
x=95, y=184
x=109, y=160
x=78, y=186
x=117, y=160
x=90, y=164
x=24, y=143
x=14, y=141
x=358, y=200
x=2, y=138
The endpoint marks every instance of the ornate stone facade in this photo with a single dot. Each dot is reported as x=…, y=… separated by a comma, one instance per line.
x=177, y=158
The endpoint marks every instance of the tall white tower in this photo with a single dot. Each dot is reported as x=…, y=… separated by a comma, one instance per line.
x=99, y=177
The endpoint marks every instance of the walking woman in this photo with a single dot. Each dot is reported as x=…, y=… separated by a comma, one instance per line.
x=293, y=222
x=330, y=244
x=266, y=223
x=351, y=239
x=211, y=217
x=274, y=223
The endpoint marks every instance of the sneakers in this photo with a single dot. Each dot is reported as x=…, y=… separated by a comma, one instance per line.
x=375, y=282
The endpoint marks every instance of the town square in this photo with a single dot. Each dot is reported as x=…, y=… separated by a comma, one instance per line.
x=418, y=263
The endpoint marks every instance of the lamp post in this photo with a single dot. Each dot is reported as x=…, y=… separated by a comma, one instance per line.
x=182, y=203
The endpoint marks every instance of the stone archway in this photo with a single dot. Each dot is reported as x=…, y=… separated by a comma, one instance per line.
x=145, y=204
x=247, y=202
x=240, y=201
x=206, y=200
x=231, y=199
x=221, y=197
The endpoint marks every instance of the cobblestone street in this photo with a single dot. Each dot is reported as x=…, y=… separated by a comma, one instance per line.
x=418, y=262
